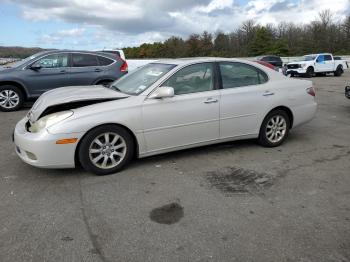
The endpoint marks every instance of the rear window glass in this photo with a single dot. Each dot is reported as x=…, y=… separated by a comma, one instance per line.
x=83, y=60
x=239, y=74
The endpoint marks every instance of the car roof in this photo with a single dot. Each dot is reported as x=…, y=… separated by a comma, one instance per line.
x=55, y=51
x=190, y=60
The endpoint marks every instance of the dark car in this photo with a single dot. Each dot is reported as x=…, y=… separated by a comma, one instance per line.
x=271, y=59
x=347, y=92
x=29, y=78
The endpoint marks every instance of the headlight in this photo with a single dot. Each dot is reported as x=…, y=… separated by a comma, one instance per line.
x=49, y=120
x=302, y=65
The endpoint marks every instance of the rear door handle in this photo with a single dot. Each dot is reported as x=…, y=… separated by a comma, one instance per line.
x=98, y=70
x=63, y=71
x=268, y=93
x=211, y=100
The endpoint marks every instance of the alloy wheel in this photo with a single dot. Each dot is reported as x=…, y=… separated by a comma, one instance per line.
x=9, y=99
x=107, y=150
x=276, y=129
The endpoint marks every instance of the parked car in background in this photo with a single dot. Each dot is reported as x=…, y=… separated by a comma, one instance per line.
x=347, y=92
x=29, y=78
x=164, y=106
x=276, y=61
x=317, y=64
x=117, y=52
x=267, y=65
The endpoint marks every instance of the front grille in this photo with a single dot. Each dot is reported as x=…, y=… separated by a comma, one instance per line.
x=293, y=66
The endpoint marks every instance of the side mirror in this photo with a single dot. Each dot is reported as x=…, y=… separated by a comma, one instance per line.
x=163, y=92
x=35, y=67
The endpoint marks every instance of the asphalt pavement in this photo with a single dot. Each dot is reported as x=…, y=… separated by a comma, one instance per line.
x=230, y=202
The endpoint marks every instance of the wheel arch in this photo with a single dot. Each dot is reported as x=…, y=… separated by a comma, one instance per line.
x=285, y=109
x=136, y=144
x=16, y=84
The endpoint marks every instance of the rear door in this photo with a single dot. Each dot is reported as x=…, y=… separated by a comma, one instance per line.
x=85, y=69
x=245, y=97
x=329, y=63
x=52, y=72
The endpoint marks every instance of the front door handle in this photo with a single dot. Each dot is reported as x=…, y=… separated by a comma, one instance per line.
x=211, y=100
x=63, y=71
x=98, y=70
x=268, y=93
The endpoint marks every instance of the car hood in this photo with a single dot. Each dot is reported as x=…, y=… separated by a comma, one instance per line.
x=72, y=97
x=4, y=70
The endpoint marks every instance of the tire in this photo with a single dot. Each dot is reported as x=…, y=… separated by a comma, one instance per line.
x=11, y=98
x=105, y=83
x=309, y=72
x=339, y=71
x=104, y=151
x=266, y=138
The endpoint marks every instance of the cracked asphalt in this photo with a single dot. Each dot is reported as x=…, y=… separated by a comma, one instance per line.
x=229, y=202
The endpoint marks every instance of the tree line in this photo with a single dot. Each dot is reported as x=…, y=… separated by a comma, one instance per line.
x=324, y=34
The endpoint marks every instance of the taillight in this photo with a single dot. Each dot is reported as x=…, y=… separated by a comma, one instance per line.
x=311, y=91
x=124, y=67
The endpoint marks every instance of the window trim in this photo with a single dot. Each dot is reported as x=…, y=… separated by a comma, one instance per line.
x=215, y=78
x=69, y=53
x=238, y=62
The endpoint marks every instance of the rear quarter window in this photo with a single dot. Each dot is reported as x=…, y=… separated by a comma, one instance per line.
x=104, y=61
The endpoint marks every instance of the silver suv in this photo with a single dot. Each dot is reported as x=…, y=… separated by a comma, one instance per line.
x=30, y=77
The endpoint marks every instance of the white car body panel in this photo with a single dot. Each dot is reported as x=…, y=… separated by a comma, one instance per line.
x=164, y=125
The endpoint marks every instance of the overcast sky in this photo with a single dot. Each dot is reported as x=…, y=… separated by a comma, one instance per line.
x=95, y=24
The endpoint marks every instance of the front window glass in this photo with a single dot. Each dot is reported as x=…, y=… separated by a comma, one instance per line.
x=136, y=82
x=192, y=79
x=53, y=61
x=309, y=58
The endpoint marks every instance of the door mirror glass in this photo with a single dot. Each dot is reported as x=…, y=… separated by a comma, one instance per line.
x=163, y=92
x=35, y=67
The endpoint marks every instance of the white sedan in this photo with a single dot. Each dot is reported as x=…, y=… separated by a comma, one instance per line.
x=164, y=106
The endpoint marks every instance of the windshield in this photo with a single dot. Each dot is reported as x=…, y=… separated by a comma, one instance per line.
x=25, y=60
x=141, y=79
x=309, y=58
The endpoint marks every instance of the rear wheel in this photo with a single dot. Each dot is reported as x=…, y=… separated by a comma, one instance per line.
x=274, y=129
x=11, y=98
x=339, y=71
x=106, y=150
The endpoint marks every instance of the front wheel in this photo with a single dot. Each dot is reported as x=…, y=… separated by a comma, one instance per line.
x=11, y=98
x=274, y=129
x=309, y=72
x=106, y=150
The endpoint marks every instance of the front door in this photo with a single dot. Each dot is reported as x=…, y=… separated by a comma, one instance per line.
x=51, y=72
x=188, y=118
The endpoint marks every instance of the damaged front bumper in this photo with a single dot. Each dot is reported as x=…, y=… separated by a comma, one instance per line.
x=40, y=149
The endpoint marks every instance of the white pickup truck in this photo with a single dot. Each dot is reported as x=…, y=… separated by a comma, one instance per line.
x=317, y=64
